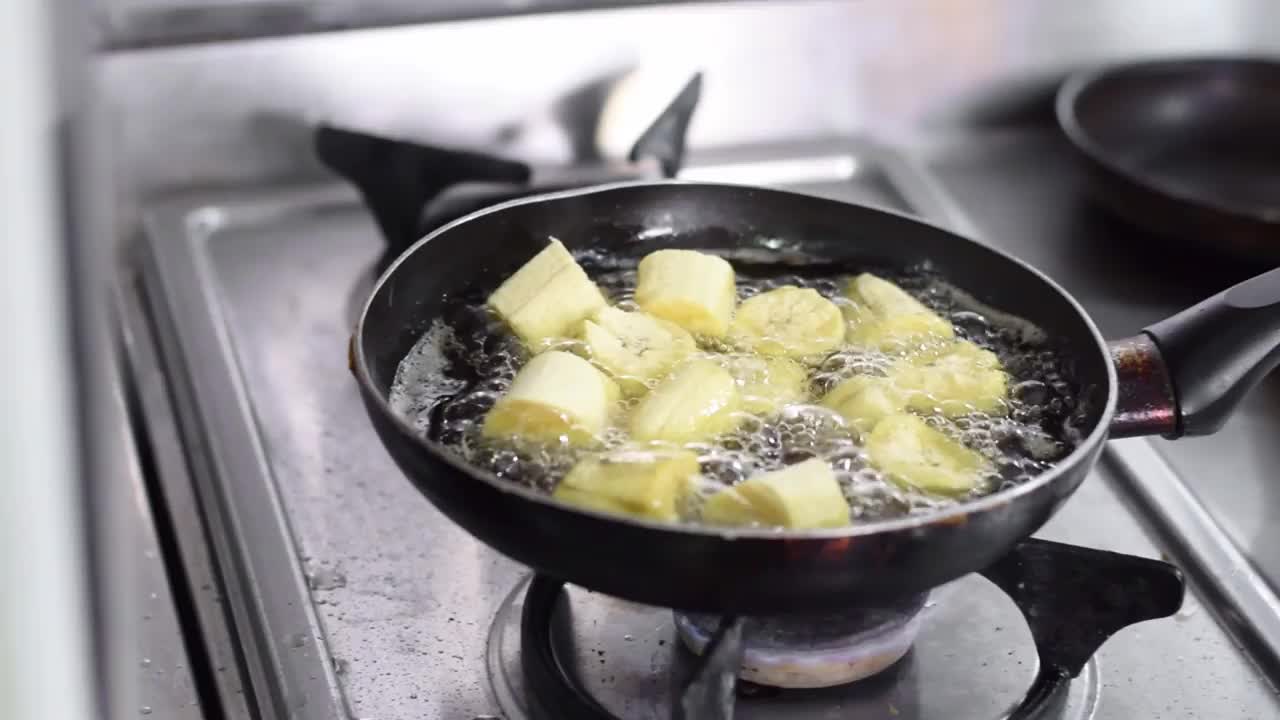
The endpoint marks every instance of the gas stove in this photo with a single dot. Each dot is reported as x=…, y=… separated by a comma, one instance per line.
x=543, y=647
x=350, y=596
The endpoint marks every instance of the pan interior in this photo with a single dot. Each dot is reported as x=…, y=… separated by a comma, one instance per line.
x=1197, y=130
x=747, y=224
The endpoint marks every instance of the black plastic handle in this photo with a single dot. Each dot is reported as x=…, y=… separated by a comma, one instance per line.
x=1216, y=352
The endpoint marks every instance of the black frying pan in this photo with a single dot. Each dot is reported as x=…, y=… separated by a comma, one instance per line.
x=1182, y=377
x=1189, y=149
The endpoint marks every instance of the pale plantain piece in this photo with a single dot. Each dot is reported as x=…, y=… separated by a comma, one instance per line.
x=635, y=347
x=919, y=335
x=864, y=400
x=555, y=395
x=789, y=322
x=802, y=496
x=766, y=384
x=648, y=484
x=547, y=297
x=963, y=380
x=731, y=508
x=694, y=290
x=883, y=298
x=911, y=453
x=886, y=318
x=696, y=402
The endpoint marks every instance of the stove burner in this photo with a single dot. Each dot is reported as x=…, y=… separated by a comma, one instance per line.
x=816, y=651
x=1072, y=599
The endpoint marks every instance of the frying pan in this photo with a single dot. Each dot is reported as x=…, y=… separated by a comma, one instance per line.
x=1187, y=149
x=1181, y=376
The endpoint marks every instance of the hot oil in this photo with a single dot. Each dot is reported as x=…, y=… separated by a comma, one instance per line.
x=467, y=360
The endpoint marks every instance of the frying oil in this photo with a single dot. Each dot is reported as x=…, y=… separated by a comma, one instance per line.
x=466, y=361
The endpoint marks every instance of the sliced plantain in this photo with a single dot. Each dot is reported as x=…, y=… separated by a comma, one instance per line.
x=635, y=347
x=766, y=384
x=789, y=322
x=548, y=297
x=731, y=508
x=590, y=501
x=802, y=496
x=699, y=400
x=911, y=453
x=864, y=400
x=883, y=298
x=556, y=396
x=638, y=483
x=963, y=380
x=694, y=290
x=886, y=318
x=918, y=335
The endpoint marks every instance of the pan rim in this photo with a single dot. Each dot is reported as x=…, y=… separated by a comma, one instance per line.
x=1076, y=85
x=1096, y=436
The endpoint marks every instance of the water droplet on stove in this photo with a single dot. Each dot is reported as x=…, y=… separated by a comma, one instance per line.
x=145, y=710
x=146, y=662
x=628, y=638
x=327, y=579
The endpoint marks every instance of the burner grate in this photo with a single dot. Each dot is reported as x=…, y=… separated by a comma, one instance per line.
x=1072, y=598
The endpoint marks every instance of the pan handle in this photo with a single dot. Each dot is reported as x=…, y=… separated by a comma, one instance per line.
x=1186, y=374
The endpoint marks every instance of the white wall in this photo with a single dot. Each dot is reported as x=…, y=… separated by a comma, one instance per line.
x=44, y=642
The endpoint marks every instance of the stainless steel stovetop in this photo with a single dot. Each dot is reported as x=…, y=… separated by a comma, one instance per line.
x=350, y=596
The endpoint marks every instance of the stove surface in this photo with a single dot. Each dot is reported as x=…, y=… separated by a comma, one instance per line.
x=355, y=598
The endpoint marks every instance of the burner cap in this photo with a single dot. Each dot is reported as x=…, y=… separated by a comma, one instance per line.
x=816, y=651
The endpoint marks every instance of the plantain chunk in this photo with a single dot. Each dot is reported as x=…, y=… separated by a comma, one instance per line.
x=548, y=297
x=963, y=380
x=638, y=483
x=886, y=318
x=865, y=400
x=802, y=496
x=635, y=347
x=696, y=402
x=789, y=322
x=694, y=290
x=913, y=454
x=555, y=396
x=766, y=384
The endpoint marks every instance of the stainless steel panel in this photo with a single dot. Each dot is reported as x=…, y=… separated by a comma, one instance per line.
x=175, y=495
x=398, y=601
x=153, y=23
x=160, y=667
x=211, y=114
